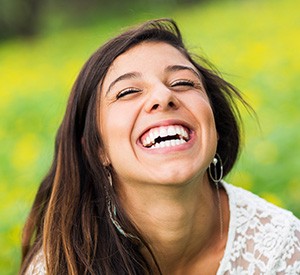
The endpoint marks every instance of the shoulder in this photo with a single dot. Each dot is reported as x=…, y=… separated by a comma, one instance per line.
x=264, y=236
x=250, y=205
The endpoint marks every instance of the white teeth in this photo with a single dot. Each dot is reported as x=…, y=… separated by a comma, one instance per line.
x=151, y=135
x=168, y=143
x=171, y=131
x=185, y=134
x=148, y=140
x=164, y=131
x=156, y=133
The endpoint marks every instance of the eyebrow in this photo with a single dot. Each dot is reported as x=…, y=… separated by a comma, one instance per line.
x=123, y=77
x=176, y=68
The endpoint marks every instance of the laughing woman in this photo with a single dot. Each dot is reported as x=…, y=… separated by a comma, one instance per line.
x=136, y=183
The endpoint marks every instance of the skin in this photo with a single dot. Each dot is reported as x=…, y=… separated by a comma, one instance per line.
x=165, y=191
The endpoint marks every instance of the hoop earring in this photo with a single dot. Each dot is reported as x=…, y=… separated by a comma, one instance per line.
x=112, y=211
x=216, y=180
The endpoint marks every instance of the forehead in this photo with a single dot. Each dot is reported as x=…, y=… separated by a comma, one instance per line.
x=145, y=57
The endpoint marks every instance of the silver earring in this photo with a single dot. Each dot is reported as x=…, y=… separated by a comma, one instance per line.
x=112, y=211
x=109, y=178
x=217, y=159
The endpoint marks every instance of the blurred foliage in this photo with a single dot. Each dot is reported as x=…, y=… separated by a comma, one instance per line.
x=255, y=44
x=27, y=18
x=19, y=17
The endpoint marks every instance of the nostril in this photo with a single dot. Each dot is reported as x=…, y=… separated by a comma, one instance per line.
x=155, y=106
x=162, y=104
x=171, y=104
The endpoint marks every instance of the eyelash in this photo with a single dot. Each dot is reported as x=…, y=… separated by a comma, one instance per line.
x=127, y=92
x=184, y=82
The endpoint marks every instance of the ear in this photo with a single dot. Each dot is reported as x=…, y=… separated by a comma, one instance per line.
x=104, y=157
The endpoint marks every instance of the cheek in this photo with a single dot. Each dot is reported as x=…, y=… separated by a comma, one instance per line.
x=199, y=105
x=203, y=113
x=116, y=127
x=211, y=124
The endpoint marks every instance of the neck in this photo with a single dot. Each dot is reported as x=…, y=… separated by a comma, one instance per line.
x=180, y=223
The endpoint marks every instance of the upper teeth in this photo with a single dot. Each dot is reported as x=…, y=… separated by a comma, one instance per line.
x=164, y=131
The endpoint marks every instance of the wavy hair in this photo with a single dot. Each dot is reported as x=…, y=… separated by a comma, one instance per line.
x=69, y=220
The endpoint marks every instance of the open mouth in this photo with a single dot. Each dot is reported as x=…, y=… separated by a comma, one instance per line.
x=165, y=136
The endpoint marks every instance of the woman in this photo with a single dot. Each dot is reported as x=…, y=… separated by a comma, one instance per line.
x=136, y=182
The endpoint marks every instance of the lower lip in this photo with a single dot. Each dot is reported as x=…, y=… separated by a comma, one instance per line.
x=171, y=149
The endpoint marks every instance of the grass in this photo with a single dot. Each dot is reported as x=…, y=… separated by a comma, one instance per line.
x=253, y=43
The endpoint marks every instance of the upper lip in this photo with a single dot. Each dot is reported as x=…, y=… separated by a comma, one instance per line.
x=168, y=122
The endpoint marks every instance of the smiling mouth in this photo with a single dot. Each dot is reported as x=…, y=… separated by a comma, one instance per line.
x=165, y=136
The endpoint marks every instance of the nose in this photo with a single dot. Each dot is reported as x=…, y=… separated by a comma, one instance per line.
x=161, y=99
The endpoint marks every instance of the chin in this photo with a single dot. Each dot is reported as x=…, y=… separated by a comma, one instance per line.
x=175, y=177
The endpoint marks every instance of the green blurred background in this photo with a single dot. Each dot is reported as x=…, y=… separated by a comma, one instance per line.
x=254, y=43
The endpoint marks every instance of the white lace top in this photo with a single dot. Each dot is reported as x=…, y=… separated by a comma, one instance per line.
x=263, y=239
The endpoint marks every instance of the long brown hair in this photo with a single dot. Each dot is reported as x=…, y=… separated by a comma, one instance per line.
x=69, y=219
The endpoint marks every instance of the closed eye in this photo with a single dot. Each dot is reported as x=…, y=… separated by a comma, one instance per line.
x=126, y=92
x=183, y=82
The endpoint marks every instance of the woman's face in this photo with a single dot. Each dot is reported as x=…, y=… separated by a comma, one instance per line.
x=155, y=118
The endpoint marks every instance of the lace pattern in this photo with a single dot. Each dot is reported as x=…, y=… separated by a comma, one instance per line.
x=37, y=266
x=262, y=239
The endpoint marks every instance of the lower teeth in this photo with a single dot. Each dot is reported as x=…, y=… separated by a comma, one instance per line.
x=168, y=143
